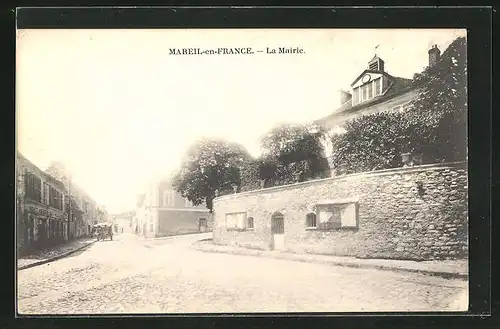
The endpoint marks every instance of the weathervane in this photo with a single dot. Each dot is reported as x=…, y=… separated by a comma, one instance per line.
x=375, y=50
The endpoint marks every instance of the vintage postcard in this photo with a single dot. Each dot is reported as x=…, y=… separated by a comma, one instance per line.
x=171, y=171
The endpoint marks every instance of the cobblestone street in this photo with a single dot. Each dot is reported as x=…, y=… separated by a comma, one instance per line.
x=133, y=275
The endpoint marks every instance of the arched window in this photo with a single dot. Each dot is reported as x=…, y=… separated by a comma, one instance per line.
x=250, y=222
x=311, y=220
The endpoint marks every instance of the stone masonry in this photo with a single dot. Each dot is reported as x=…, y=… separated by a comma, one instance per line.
x=415, y=213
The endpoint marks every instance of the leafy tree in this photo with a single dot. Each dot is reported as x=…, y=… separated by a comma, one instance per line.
x=250, y=175
x=58, y=170
x=289, y=149
x=209, y=166
x=434, y=124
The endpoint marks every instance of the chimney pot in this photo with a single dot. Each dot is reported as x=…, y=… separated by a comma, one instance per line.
x=434, y=55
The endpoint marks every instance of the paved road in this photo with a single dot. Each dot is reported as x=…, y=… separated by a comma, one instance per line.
x=130, y=275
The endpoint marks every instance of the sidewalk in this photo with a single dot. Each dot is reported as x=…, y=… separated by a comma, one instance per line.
x=52, y=254
x=447, y=268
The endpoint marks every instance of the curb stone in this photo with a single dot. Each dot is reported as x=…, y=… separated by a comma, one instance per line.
x=49, y=260
x=446, y=275
x=177, y=235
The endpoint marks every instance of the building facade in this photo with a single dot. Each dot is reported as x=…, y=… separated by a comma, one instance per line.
x=83, y=207
x=88, y=211
x=162, y=211
x=373, y=90
x=41, y=218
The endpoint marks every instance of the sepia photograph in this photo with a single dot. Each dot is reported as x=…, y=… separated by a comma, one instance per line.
x=185, y=171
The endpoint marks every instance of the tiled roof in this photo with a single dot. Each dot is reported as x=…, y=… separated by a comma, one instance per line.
x=46, y=175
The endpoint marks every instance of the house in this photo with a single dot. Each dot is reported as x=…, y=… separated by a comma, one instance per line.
x=83, y=207
x=88, y=211
x=163, y=211
x=373, y=90
x=41, y=218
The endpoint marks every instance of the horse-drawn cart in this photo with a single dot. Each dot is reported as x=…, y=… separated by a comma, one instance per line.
x=103, y=231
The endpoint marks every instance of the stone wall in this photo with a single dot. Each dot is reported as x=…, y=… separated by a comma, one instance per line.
x=171, y=222
x=417, y=213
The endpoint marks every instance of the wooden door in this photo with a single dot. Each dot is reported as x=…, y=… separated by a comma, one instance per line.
x=278, y=231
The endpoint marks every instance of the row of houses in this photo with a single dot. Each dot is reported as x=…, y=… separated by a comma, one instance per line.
x=162, y=211
x=46, y=215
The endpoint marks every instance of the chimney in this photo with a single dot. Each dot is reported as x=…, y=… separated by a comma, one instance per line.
x=344, y=97
x=434, y=55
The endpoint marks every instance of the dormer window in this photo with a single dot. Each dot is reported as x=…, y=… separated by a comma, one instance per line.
x=369, y=83
x=369, y=89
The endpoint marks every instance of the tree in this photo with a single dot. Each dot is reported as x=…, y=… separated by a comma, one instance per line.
x=250, y=175
x=292, y=149
x=58, y=170
x=209, y=166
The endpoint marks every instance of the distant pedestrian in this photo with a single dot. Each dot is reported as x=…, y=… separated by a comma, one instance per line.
x=110, y=231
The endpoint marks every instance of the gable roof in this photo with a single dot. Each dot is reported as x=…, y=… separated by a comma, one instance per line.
x=369, y=71
x=397, y=87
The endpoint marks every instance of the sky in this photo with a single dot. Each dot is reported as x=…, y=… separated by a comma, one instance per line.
x=118, y=110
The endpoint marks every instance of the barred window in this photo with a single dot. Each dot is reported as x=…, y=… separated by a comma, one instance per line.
x=311, y=220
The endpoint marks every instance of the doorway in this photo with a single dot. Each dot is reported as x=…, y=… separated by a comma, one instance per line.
x=202, y=224
x=277, y=231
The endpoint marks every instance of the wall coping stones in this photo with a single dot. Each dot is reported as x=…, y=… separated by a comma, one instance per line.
x=338, y=201
x=383, y=172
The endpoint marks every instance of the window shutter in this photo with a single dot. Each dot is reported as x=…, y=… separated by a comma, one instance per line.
x=365, y=93
x=348, y=216
x=241, y=220
x=377, y=86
